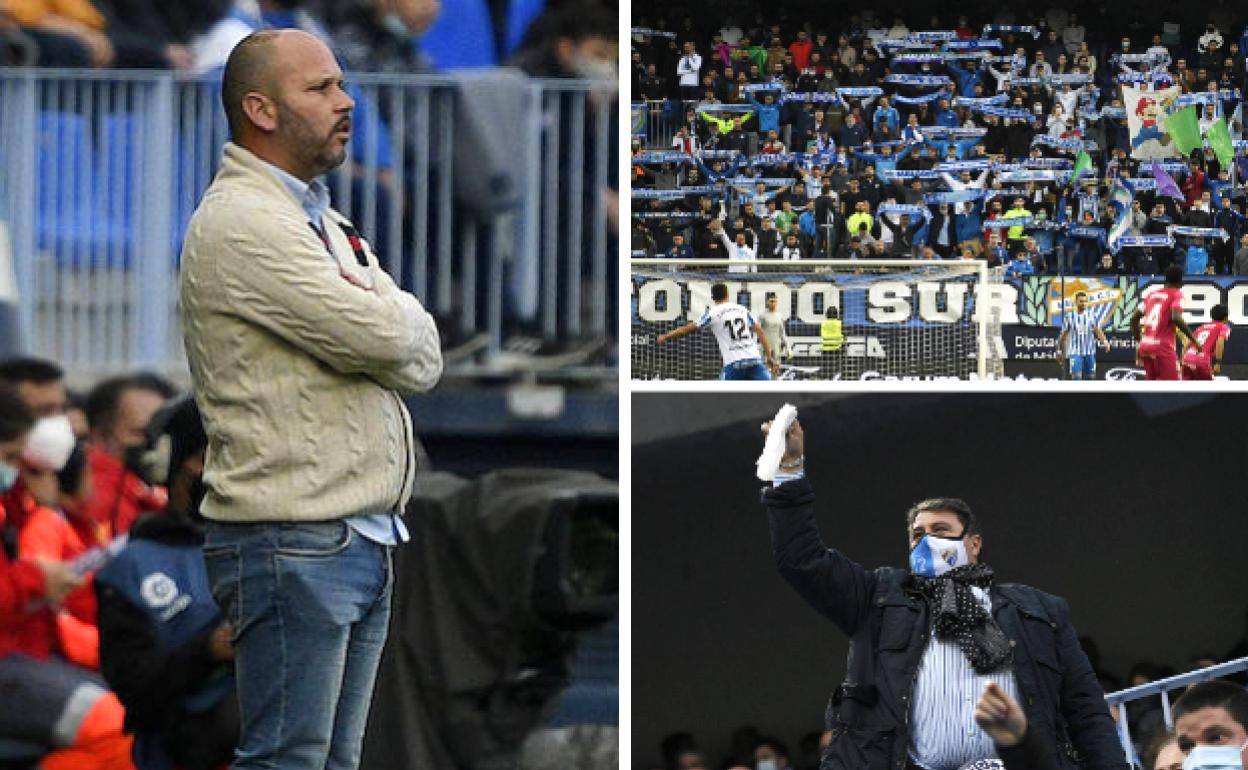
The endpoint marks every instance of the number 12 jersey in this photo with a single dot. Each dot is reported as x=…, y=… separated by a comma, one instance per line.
x=732, y=325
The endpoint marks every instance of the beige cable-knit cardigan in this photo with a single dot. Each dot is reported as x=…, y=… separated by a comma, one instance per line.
x=297, y=365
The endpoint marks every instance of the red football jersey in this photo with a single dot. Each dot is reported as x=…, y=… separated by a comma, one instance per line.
x=1158, y=325
x=1208, y=336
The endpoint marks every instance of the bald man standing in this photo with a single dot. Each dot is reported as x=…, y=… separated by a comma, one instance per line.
x=300, y=348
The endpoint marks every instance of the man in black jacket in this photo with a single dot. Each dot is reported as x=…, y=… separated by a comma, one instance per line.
x=925, y=642
x=829, y=223
x=164, y=647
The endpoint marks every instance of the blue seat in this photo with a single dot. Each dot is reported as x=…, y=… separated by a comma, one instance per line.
x=118, y=170
x=71, y=219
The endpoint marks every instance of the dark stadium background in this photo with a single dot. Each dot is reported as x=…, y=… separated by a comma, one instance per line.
x=1130, y=507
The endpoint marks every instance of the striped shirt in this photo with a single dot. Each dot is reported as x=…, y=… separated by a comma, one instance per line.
x=1080, y=329
x=944, y=735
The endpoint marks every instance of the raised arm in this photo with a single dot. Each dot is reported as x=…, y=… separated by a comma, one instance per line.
x=834, y=585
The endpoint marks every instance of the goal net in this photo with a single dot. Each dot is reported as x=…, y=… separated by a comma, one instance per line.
x=904, y=319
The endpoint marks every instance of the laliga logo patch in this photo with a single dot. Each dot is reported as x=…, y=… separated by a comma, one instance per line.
x=158, y=590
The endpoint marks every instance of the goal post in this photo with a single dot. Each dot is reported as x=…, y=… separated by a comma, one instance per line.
x=903, y=319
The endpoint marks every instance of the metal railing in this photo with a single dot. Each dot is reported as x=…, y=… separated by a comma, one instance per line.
x=662, y=119
x=1162, y=687
x=103, y=169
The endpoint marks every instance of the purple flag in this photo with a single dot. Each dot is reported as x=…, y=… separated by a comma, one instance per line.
x=1165, y=184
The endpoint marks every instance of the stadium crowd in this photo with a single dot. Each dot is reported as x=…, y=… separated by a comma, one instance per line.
x=860, y=136
x=197, y=36
x=750, y=748
x=112, y=651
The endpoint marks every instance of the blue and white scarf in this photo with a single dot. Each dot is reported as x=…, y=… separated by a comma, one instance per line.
x=955, y=196
x=919, y=58
x=1025, y=29
x=919, y=80
x=861, y=91
x=1005, y=112
x=1197, y=232
x=963, y=165
x=1147, y=241
x=1002, y=222
x=892, y=173
x=1070, y=145
x=972, y=45
x=1048, y=163
x=1086, y=231
x=673, y=156
x=674, y=194
x=986, y=101
x=919, y=99
x=897, y=208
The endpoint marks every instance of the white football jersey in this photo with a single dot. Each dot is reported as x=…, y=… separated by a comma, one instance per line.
x=733, y=327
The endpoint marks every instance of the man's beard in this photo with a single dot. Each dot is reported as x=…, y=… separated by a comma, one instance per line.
x=319, y=154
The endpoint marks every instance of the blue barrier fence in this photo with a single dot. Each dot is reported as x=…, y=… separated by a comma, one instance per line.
x=493, y=212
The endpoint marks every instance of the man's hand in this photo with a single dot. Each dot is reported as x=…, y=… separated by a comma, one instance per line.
x=59, y=579
x=794, y=442
x=773, y=366
x=659, y=340
x=1000, y=716
x=220, y=645
x=1105, y=345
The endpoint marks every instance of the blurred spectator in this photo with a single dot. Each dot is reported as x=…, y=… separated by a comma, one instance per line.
x=118, y=411
x=378, y=35
x=41, y=384
x=47, y=704
x=67, y=33
x=165, y=649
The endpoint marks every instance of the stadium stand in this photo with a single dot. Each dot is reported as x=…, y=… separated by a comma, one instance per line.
x=1035, y=138
x=1019, y=97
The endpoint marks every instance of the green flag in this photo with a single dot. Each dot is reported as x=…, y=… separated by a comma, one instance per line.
x=1184, y=128
x=1220, y=140
x=1082, y=164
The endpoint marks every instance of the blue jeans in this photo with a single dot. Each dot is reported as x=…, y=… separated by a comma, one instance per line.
x=310, y=604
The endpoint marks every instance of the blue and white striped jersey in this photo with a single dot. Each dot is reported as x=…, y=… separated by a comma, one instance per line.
x=732, y=325
x=1080, y=333
x=945, y=736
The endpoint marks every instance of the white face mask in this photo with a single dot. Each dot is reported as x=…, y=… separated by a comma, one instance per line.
x=934, y=556
x=765, y=764
x=1215, y=758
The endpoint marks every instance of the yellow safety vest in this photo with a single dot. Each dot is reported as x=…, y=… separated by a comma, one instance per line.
x=830, y=335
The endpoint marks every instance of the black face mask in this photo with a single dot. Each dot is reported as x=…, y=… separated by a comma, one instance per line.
x=135, y=459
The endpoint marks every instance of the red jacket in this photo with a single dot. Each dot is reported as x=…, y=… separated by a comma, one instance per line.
x=120, y=496
x=21, y=584
x=801, y=53
x=70, y=628
x=1193, y=186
